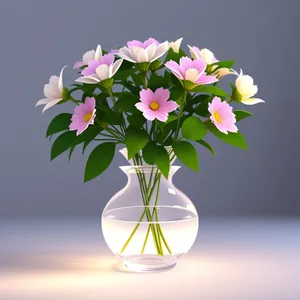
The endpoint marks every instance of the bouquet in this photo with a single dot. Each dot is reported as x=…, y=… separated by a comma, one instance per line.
x=134, y=96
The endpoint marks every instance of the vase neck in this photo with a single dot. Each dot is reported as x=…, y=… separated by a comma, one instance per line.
x=147, y=171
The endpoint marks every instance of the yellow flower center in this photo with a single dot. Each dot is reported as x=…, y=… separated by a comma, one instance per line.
x=217, y=117
x=154, y=105
x=87, y=117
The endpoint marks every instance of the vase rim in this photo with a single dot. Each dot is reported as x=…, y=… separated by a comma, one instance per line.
x=145, y=169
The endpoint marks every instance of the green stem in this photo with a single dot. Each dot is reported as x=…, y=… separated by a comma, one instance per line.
x=147, y=191
x=133, y=232
x=146, y=239
x=180, y=115
x=77, y=102
x=111, y=94
x=146, y=199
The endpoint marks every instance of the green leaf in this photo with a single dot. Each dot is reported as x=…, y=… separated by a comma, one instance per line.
x=186, y=152
x=210, y=90
x=162, y=160
x=149, y=152
x=136, y=119
x=241, y=114
x=167, y=78
x=135, y=140
x=198, y=99
x=176, y=93
x=63, y=143
x=207, y=146
x=154, y=154
x=170, y=119
x=91, y=133
x=202, y=108
x=59, y=123
x=133, y=89
x=99, y=160
x=171, y=55
x=224, y=64
x=125, y=71
x=86, y=137
x=193, y=129
x=234, y=139
x=137, y=79
x=157, y=81
x=113, y=118
x=127, y=103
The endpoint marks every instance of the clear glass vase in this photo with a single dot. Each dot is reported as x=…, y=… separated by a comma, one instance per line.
x=149, y=224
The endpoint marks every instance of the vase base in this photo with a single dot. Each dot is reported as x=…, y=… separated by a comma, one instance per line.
x=149, y=263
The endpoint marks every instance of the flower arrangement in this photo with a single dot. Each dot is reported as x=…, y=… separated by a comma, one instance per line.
x=132, y=96
x=156, y=100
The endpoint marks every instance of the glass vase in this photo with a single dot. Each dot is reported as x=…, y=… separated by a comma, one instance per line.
x=149, y=224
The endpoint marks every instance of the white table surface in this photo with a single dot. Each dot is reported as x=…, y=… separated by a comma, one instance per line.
x=56, y=259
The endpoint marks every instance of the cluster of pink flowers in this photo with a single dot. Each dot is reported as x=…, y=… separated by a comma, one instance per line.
x=97, y=68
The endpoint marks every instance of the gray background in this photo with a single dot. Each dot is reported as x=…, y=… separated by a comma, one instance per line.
x=39, y=37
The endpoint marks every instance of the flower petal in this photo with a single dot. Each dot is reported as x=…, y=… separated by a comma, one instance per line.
x=124, y=53
x=134, y=53
x=149, y=114
x=116, y=66
x=43, y=101
x=168, y=106
x=142, y=106
x=98, y=53
x=88, y=56
x=78, y=65
x=160, y=50
x=107, y=59
x=161, y=116
x=195, y=52
x=142, y=55
x=174, y=68
x=90, y=103
x=205, y=79
x=176, y=45
x=103, y=72
x=51, y=103
x=149, y=42
x=150, y=51
x=60, y=82
x=88, y=79
x=162, y=95
x=199, y=65
x=252, y=101
x=146, y=96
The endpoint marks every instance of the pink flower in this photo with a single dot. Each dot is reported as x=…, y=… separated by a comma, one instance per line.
x=222, y=115
x=191, y=70
x=100, y=70
x=139, y=52
x=156, y=105
x=84, y=115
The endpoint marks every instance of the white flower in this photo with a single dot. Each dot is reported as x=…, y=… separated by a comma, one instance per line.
x=204, y=54
x=245, y=89
x=139, y=52
x=53, y=91
x=176, y=45
x=98, y=71
x=222, y=72
x=88, y=56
